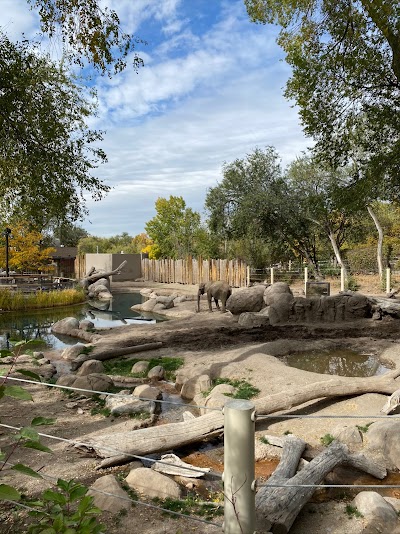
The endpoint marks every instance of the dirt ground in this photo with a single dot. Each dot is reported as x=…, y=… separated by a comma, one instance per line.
x=216, y=343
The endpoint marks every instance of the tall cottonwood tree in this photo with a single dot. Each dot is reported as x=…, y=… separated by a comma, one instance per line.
x=345, y=59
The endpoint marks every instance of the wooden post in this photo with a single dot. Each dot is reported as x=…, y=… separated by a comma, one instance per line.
x=239, y=470
x=305, y=280
x=272, y=275
x=342, y=277
x=248, y=277
x=388, y=284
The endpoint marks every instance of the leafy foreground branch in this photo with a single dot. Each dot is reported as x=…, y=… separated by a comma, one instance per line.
x=68, y=510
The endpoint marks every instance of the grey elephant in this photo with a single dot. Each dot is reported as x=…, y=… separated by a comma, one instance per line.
x=215, y=290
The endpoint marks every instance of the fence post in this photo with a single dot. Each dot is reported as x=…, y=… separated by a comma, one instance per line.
x=248, y=276
x=272, y=275
x=305, y=280
x=388, y=280
x=342, y=279
x=239, y=470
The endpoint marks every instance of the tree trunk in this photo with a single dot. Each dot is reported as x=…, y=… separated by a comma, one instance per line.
x=93, y=276
x=337, y=253
x=175, y=435
x=387, y=306
x=278, y=507
x=380, y=241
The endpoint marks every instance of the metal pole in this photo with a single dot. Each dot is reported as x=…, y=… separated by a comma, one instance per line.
x=239, y=470
x=388, y=280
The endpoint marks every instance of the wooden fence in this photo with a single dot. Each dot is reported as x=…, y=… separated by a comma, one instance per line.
x=194, y=271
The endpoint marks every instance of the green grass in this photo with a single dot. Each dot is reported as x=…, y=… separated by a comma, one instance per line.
x=264, y=440
x=18, y=301
x=244, y=390
x=327, y=439
x=123, y=367
x=364, y=429
x=352, y=511
x=191, y=505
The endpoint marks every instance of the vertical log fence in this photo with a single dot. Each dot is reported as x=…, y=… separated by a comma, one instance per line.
x=195, y=270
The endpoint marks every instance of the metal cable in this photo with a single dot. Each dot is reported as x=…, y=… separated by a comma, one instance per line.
x=122, y=498
x=354, y=486
x=106, y=393
x=110, y=449
x=260, y=417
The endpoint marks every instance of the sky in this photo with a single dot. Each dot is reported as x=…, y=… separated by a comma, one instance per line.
x=211, y=91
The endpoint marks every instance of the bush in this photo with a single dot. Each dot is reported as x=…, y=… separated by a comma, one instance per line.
x=362, y=259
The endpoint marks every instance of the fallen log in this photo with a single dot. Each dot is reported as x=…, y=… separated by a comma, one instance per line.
x=388, y=306
x=280, y=500
x=93, y=275
x=103, y=354
x=174, y=435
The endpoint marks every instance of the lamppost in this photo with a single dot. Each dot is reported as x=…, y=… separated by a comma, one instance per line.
x=7, y=233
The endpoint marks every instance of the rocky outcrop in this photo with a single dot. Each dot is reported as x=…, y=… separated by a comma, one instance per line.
x=250, y=299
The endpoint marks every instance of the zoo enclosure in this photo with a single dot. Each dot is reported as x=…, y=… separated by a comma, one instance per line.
x=239, y=480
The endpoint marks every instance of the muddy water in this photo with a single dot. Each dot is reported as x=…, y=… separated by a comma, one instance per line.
x=341, y=362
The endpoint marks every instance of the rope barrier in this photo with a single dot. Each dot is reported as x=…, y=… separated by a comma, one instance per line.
x=123, y=396
x=111, y=449
x=122, y=498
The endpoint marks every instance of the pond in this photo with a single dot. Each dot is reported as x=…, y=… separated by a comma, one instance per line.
x=341, y=362
x=36, y=324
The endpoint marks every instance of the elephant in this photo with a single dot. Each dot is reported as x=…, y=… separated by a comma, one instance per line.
x=215, y=290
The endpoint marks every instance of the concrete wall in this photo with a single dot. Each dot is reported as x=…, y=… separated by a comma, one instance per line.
x=109, y=262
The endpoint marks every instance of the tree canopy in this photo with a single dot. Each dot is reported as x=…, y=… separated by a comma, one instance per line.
x=88, y=30
x=175, y=230
x=47, y=151
x=345, y=58
x=26, y=250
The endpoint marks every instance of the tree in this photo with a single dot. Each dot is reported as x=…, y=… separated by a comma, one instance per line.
x=88, y=30
x=174, y=228
x=345, y=56
x=67, y=235
x=47, y=152
x=26, y=252
x=320, y=199
x=140, y=242
x=253, y=202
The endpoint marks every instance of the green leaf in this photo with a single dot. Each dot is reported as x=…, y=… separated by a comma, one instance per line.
x=78, y=492
x=40, y=421
x=5, y=352
x=9, y=493
x=17, y=392
x=54, y=496
x=21, y=468
x=29, y=433
x=30, y=374
x=36, y=445
x=2, y=388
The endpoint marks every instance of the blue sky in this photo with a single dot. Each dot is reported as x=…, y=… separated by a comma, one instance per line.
x=211, y=91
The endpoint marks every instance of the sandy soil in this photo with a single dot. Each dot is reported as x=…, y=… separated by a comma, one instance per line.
x=214, y=342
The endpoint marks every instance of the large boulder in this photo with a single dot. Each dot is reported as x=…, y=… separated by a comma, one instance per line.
x=72, y=352
x=93, y=382
x=65, y=325
x=274, y=291
x=152, y=484
x=378, y=514
x=108, y=495
x=382, y=441
x=253, y=319
x=89, y=367
x=249, y=299
x=281, y=308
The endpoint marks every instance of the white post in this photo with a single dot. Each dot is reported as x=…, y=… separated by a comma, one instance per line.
x=388, y=280
x=342, y=279
x=239, y=470
x=290, y=265
x=305, y=280
x=272, y=275
x=248, y=276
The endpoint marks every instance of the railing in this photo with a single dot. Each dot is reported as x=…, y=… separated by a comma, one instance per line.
x=29, y=283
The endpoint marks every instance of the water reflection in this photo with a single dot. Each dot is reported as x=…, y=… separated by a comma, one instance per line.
x=36, y=324
x=341, y=362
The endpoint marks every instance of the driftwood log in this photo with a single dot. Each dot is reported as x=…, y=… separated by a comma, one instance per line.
x=175, y=435
x=280, y=500
x=93, y=275
x=387, y=306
